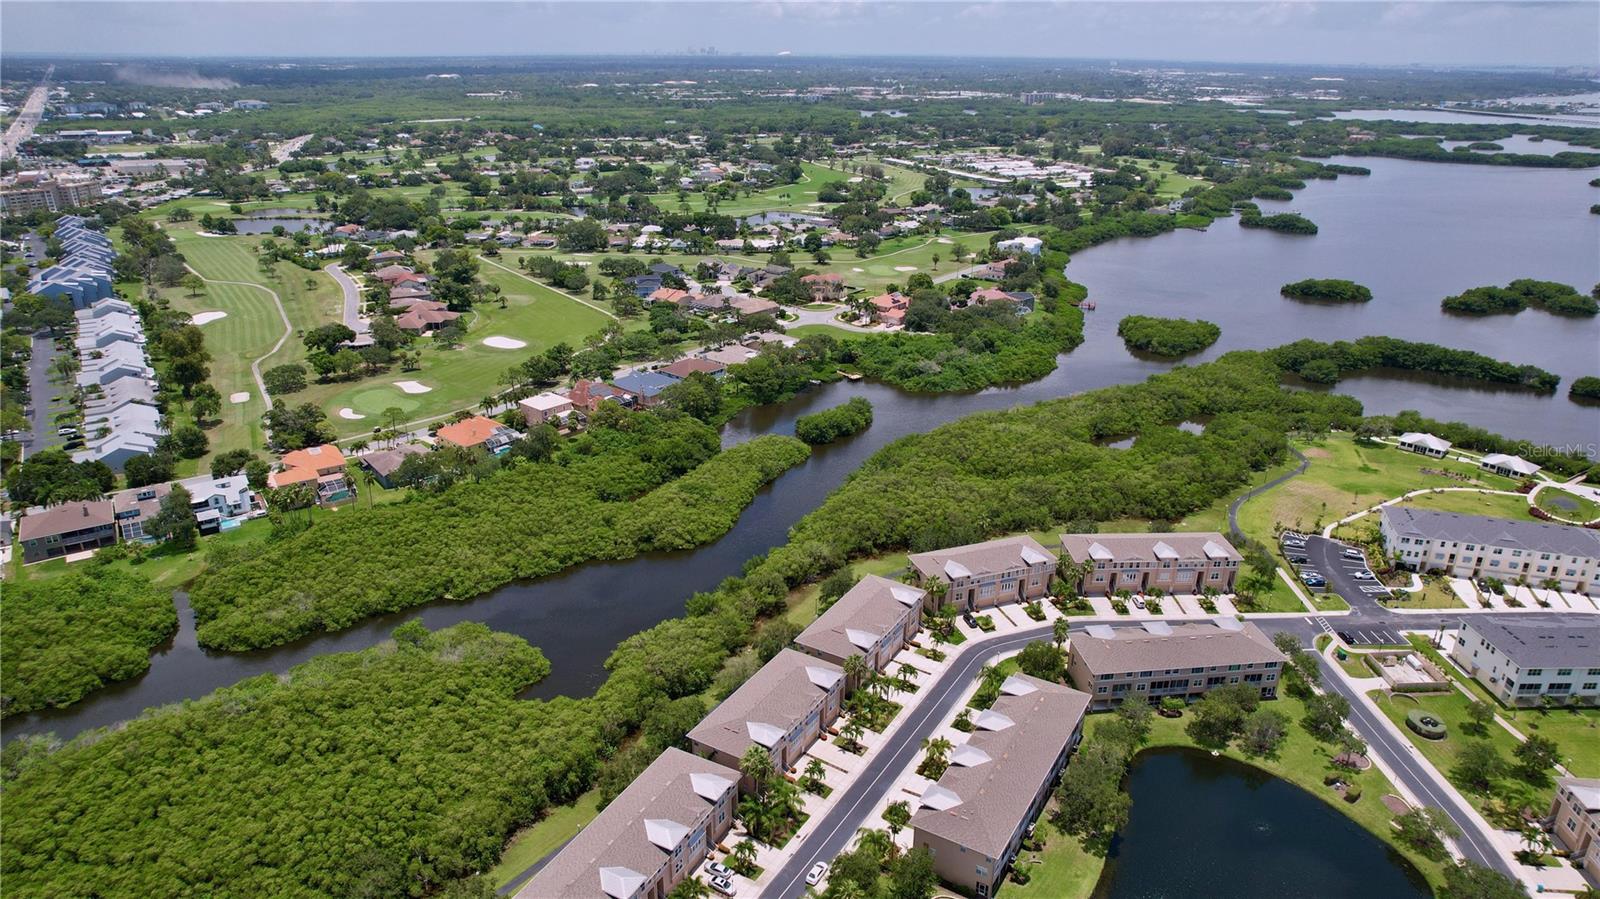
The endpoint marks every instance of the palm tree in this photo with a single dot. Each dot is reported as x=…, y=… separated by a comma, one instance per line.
x=756, y=764
x=877, y=842
x=1060, y=630
x=855, y=668
x=906, y=678
x=897, y=815
x=743, y=856
x=814, y=774
x=938, y=750
x=852, y=732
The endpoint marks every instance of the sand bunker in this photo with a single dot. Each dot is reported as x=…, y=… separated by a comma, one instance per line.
x=350, y=414
x=905, y=268
x=206, y=318
x=412, y=387
x=945, y=240
x=239, y=398
x=858, y=269
x=504, y=343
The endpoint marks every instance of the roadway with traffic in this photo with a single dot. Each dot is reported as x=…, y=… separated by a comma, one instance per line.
x=27, y=119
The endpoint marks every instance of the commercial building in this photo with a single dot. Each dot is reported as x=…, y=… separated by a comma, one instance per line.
x=980, y=575
x=1141, y=563
x=649, y=838
x=1522, y=663
x=1575, y=822
x=1426, y=444
x=66, y=529
x=1532, y=552
x=783, y=708
x=874, y=619
x=1509, y=466
x=1159, y=659
x=975, y=817
x=320, y=467
x=38, y=192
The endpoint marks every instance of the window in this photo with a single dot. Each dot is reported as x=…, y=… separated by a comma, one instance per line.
x=1589, y=686
x=1561, y=687
x=1563, y=672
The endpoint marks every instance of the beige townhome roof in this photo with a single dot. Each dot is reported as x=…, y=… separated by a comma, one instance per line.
x=769, y=704
x=1130, y=547
x=634, y=836
x=993, y=778
x=861, y=617
x=980, y=559
x=1160, y=646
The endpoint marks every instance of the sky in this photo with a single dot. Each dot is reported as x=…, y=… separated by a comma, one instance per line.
x=1457, y=32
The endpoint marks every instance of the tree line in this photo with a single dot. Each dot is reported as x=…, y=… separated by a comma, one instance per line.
x=843, y=420
x=1326, y=363
x=1551, y=296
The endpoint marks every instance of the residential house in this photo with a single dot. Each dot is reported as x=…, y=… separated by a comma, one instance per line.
x=980, y=575
x=216, y=502
x=783, y=708
x=479, y=431
x=973, y=820
x=1426, y=444
x=66, y=529
x=587, y=395
x=383, y=258
x=825, y=287
x=643, y=285
x=646, y=386
x=890, y=308
x=1159, y=659
x=321, y=467
x=687, y=366
x=733, y=354
x=1535, y=553
x=703, y=301
x=990, y=271
x=649, y=838
x=1023, y=244
x=1521, y=663
x=392, y=274
x=745, y=305
x=543, y=407
x=425, y=317
x=383, y=463
x=1508, y=466
x=875, y=619
x=1143, y=562
x=1575, y=822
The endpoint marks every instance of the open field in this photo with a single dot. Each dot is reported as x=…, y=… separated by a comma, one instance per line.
x=1568, y=505
x=901, y=257
x=798, y=197
x=1493, y=504
x=1344, y=478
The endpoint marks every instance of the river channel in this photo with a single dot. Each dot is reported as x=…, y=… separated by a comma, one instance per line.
x=1411, y=231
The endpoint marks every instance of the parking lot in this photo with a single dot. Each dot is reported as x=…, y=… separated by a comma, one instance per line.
x=1345, y=576
x=1371, y=636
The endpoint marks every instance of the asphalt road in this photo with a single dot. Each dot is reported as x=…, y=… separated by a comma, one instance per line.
x=352, y=300
x=1233, y=507
x=832, y=834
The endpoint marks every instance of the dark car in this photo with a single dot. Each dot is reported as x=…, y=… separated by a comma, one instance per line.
x=967, y=617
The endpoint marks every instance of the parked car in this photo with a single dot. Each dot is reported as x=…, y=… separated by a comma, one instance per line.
x=969, y=619
x=1315, y=582
x=722, y=885
x=817, y=872
x=1298, y=560
x=1354, y=554
x=717, y=869
x=1362, y=575
x=1138, y=602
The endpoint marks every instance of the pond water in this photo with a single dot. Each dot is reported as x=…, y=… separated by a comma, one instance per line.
x=1204, y=827
x=1412, y=231
x=259, y=224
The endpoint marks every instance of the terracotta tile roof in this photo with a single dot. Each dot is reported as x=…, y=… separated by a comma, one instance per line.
x=469, y=432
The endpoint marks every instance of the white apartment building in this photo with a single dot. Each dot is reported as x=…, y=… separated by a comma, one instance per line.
x=1532, y=552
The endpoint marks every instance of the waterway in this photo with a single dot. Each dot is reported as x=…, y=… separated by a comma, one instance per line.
x=1203, y=827
x=1412, y=231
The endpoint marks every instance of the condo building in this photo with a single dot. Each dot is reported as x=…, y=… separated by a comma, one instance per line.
x=1141, y=563
x=980, y=575
x=1159, y=659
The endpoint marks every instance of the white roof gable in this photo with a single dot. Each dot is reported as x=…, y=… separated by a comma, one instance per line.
x=940, y=798
x=765, y=734
x=1017, y=686
x=907, y=596
x=709, y=787
x=620, y=883
x=860, y=639
x=1098, y=550
x=989, y=719
x=822, y=677
x=1214, y=550
x=968, y=756
x=1228, y=624
x=955, y=569
x=663, y=833
x=1164, y=550
x=1033, y=556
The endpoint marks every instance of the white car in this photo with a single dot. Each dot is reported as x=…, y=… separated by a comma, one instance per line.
x=1138, y=602
x=717, y=869
x=1362, y=575
x=722, y=885
x=817, y=872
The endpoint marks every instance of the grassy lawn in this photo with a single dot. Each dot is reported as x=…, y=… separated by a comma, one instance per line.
x=798, y=197
x=1492, y=504
x=1344, y=478
x=1451, y=708
x=1302, y=761
x=901, y=257
x=1436, y=594
x=1568, y=505
x=1173, y=185
x=536, y=841
x=162, y=566
x=1063, y=870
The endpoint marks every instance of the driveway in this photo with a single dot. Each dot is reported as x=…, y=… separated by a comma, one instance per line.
x=352, y=300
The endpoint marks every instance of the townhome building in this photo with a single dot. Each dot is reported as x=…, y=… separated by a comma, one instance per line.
x=783, y=708
x=1575, y=822
x=1159, y=659
x=1536, y=553
x=974, y=818
x=980, y=575
x=649, y=838
x=66, y=529
x=1524, y=662
x=1141, y=563
x=875, y=619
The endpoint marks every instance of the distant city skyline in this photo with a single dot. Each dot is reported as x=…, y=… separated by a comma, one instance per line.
x=1489, y=33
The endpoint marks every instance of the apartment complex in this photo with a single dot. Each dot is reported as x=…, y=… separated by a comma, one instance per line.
x=83, y=273
x=117, y=385
x=875, y=619
x=980, y=575
x=1160, y=659
x=39, y=192
x=1531, y=552
x=649, y=838
x=1141, y=563
x=783, y=708
x=1575, y=821
x=1521, y=663
x=66, y=529
x=975, y=817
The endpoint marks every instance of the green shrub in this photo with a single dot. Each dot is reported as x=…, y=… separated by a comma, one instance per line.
x=1333, y=290
x=1167, y=336
x=849, y=418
